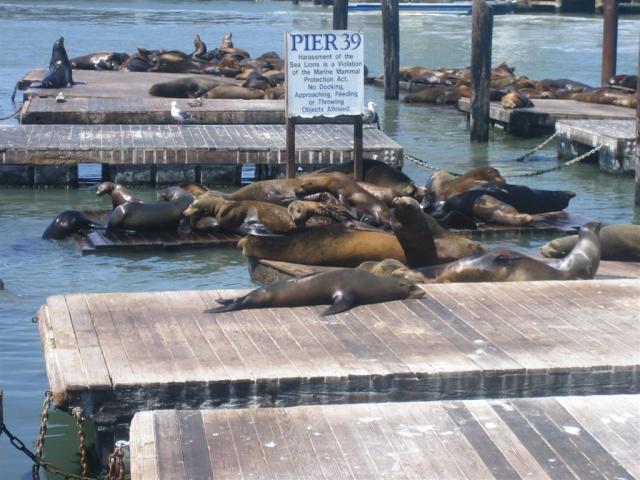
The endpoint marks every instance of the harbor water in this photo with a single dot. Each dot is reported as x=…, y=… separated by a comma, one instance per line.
x=540, y=46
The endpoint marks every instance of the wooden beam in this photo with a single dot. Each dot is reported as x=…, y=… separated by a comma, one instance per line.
x=391, y=40
x=609, y=40
x=481, y=39
x=340, y=14
x=1, y=407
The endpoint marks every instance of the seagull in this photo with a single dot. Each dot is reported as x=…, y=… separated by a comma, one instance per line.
x=60, y=98
x=370, y=115
x=181, y=117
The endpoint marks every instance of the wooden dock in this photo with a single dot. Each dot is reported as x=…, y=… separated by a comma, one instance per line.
x=106, y=84
x=544, y=114
x=148, y=111
x=617, y=138
x=268, y=271
x=119, y=353
x=186, y=144
x=592, y=437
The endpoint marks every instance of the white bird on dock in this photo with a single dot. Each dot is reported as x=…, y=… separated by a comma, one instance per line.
x=370, y=115
x=181, y=117
x=60, y=98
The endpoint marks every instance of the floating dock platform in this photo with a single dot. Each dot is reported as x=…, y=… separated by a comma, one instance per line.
x=115, y=354
x=617, y=138
x=556, y=437
x=543, y=115
x=161, y=154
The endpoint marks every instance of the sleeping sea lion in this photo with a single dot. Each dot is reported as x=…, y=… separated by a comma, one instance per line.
x=514, y=99
x=119, y=193
x=342, y=288
x=186, y=87
x=617, y=242
x=99, y=61
x=67, y=223
x=158, y=216
x=234, y=92
x=443, y=184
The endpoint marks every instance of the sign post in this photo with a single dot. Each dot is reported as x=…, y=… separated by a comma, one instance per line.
x=325, y=84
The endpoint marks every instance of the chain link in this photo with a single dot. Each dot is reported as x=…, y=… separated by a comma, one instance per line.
x=539, y=147
x=78, y=414
x=12, y=115
x=578, y=159
x=44, y=419
x=116, y=463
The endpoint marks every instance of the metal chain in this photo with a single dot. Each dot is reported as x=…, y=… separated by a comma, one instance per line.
x=539, y=147
x=578, y=159
x=13, y=115
x=116, y=462
x=425, y=164
x=49, y=467
x=78, y=414
x=44, y=418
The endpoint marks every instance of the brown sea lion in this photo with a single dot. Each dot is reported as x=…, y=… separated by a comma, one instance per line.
x=164, y=215
x=234, y=92
x=617, y=242
x=196, y=189
x=584, y=258
x=383, y=194
x=436, y=94
x=342, y=288
x=99, y=61
x=231, y=214
x=280, y=191
x=301, y=210
x=119, y=193
x=443, y=184
x=491, y=210
x=186, y=87
x=275, y=93
x=348, y=192
x=515, y=100
x=414, y=233
x=409, y=73
x=200, y=48
x=258, y=81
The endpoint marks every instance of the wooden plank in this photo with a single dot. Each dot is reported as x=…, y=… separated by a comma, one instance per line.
x=223, y=456
x=143, y=441
x=194, y=446
x=168, y=442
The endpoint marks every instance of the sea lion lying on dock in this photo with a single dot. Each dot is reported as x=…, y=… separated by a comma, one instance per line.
x=234, y=92
x=617, y=242
x=163, y=215
x=186, y=87
x=119, y=193
x=100, y=61
x=342, y=288
x=438, y=94
x=67, y=223
x=515, y=99
x=443, y=184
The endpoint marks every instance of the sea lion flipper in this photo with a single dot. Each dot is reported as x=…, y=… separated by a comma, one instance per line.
x=342, y=300
x=227, y=305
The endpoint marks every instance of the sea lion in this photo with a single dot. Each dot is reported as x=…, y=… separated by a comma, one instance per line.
x=436, y=94
x=196, y=189
x=67, y=223
x=234, y=92
x=342, y=288
x=443, y=184
x=384, y=194
x=625, y=81
x=60, y=73
x=491, y=210
x=381, y=174
x=227, y=41
x=99, y=61
x=186, y=87
x=280, y=192
x=138, y=62
x=200, y=48
x=179, y=62
x=617, y=242
x=515, y=99
x=302, y=210
x=348, y=192
x=258, y=81
x=584, y=258
x=232, y=214
x=119, y=193
x=275, y=93
x=158, y=216
x=413, y=232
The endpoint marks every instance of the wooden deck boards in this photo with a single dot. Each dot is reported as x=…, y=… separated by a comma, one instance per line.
x=545, y=113
x=119, y=353
x=186, y=144
x=592, y=437
x=105, y=84
x=148, y=110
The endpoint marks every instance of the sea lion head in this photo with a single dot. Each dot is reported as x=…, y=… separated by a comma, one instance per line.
x=104, y=188
x=206, y=205
x=410, y=289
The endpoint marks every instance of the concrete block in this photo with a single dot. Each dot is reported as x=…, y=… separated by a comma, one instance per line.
x=174, y=174
x=220, y=174
x=131, y=174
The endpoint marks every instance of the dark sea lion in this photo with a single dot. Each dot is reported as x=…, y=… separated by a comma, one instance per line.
x=565, y=84
x=342, y=288
x=258, y=81
x=413, y=231
x=99, y=61
x=625, y=81
x=227, y=41
x=186, y=87
x=200, y=48
x=163, y=215
x=119, y=193
x=515, y=99
x=178, y=62
x=67, y=223
x=60, y=72
x=275, y=93
x=234, y=92
x=584, y=258
x=617, y=242
x=232, y=214
x=348, y=192
x=443, y=184
x=138, y=62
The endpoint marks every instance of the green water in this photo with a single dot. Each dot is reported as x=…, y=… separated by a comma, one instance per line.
x=537, y=45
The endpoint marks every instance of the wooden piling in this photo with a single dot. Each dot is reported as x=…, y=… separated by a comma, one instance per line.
x=340, y=14
x=291, y=148
x=638, y=133
x=391, y=36
x=1, y=407
x=358, y=170
x=609, y=40
x=481, y=39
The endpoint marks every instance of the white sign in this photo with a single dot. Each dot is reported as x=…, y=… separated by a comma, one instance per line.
x=325, y=73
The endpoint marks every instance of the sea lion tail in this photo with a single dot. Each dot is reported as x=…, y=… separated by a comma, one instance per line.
x=227, y=305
